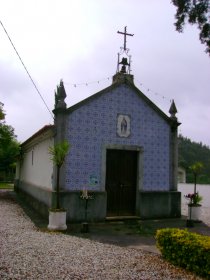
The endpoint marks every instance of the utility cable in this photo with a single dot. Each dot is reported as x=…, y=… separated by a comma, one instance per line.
x=26, y=69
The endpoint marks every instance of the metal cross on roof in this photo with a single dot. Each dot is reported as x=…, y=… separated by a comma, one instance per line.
x=125, y=34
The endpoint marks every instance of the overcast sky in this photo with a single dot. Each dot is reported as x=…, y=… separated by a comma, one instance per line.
x=77, y=41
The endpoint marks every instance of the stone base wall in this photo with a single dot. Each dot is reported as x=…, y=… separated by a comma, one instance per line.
x=159, y=205
x=96, y=207
x=150, y=205
x=41, y=200
x=38, y=198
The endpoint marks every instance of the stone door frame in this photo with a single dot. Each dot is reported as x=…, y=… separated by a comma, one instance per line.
x=139, y=181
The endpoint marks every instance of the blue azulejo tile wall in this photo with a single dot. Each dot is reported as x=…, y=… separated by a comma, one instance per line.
x=94, y=124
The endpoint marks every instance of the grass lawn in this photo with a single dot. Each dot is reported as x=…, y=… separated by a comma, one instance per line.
x=6, y=186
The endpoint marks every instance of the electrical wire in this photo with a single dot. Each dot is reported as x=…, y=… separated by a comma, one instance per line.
x=66, y=83
x=26, y=69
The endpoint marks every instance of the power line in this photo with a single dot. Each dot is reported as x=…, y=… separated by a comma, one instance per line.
x=26, y=70
x=71, y=84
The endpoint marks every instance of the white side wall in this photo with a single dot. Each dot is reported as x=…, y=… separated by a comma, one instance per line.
x=36, y=167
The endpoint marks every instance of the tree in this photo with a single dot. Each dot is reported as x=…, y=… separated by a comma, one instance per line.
x=196, y=169
x=58, y=153
x=2, y=115
x=9, y=147
x=195, y=12
x=191, y=152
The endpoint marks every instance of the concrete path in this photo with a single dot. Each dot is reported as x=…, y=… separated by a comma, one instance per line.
x=133, y=234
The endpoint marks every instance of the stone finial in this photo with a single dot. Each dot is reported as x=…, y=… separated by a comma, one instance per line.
x=173, y=110
x=56, y=99
x=62, y=91
x=60, y=96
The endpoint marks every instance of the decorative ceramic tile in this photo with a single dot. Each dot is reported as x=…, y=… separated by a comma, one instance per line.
x=94, y=124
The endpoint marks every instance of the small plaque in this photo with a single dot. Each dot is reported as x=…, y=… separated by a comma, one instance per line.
x=93, y=181
x=123, y=125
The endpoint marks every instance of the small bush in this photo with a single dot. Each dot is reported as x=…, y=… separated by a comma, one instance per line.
x=6, y=185
x=185, y=249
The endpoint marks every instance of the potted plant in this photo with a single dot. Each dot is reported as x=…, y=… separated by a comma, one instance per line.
x=194, y=206
x=57, y=215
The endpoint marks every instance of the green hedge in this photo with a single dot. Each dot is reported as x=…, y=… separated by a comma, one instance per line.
x=185, y=249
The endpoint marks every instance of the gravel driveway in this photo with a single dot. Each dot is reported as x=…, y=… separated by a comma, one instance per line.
x=27, y=253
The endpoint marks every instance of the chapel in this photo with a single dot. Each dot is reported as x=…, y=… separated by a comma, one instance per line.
x=123, y=153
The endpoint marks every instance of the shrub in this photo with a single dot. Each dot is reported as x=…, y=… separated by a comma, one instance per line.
x=185, y=249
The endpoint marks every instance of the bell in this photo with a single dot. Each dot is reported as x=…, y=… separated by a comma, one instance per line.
x=123, y=69
x=124, y=61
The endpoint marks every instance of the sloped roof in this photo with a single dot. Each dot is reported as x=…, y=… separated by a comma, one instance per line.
x=44, y=129
x=171, y=121
x=114, y=86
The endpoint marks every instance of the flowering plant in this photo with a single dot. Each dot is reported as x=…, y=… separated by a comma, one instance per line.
x=194, y=198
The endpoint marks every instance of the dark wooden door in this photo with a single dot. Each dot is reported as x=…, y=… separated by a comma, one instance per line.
x=121, y=177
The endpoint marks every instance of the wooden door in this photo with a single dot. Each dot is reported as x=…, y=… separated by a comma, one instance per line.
x=121, y=177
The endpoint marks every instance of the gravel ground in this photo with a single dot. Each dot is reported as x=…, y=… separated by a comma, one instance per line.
x=27, y=253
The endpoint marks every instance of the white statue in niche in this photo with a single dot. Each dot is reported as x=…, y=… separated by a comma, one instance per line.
x=123, y=125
